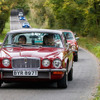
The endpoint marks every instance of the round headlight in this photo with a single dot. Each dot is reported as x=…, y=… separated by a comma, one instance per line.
x=6, y=62
x=73, y=47
x=45, y=62
x=57, y=63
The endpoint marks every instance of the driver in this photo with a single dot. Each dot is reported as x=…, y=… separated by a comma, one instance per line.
x=22, y=39
x=48, y=40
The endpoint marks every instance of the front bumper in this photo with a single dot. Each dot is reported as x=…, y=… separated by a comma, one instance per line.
x=7, y=74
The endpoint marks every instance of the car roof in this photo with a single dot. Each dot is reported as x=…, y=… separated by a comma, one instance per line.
x=20, y=12
x=64, y=30
x=34, y=30
x=26, y=23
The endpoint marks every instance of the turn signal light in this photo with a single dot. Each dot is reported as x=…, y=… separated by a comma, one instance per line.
x=58, y=72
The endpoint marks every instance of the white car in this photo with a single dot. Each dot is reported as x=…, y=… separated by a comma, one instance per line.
x=20, y=14
x=26, y=25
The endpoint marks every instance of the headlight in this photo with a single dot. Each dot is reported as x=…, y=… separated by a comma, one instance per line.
x=57, y=63
x=45, y=62
x=6, y=62
x=73, y=47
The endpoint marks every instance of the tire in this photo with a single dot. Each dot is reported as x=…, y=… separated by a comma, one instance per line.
x=1, y=83
x=76, y=57
x=70, y=75
x=63, y=83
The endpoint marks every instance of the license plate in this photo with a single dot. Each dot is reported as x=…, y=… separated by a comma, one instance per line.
x=25, y=73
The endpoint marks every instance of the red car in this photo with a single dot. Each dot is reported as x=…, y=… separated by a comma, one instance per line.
x=70, y=37
x=26, y=55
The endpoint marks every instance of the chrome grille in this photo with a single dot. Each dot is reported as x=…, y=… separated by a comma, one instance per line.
x=25, y=62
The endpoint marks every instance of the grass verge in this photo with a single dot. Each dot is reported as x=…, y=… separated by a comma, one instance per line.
x=91, y=44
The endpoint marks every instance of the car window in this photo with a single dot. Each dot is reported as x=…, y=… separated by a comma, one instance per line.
x=35, y=39
x=25, y=23
x=68, y=35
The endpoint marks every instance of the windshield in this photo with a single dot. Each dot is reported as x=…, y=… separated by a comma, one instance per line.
x=26, y=23
x=69, y=35
x=33, y=40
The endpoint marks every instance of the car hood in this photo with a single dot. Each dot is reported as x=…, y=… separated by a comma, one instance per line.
x=71, y=41
x=40, y=52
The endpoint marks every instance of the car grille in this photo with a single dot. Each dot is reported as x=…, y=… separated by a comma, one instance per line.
x=25, y=62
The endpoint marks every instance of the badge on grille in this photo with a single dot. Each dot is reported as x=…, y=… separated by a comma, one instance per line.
x=25, y=60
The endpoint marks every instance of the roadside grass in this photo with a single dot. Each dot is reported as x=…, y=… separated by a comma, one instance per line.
x=91, y=44
x=6, y=29
x=97, y=95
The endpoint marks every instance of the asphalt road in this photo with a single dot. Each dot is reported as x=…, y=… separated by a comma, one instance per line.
x=86, y=77
x=15, y=23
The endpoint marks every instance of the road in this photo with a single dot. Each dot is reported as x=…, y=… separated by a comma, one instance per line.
x=15, y=23
x=86, y=77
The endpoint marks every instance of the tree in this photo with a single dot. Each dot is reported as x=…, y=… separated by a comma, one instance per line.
x=5, y=6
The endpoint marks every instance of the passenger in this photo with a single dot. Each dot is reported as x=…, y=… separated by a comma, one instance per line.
x=22, y=39
x=48, y=40
x=67, y=36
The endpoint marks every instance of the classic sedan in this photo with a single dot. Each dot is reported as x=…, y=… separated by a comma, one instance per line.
x=31, y=61
x=70, y=38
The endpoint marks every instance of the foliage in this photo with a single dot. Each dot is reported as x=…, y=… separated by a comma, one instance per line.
x=39, y=14
x=5, y=6
x=22, y=4
x=91, y=44
x=97, y=96
x=5, y=30
x=81, y=16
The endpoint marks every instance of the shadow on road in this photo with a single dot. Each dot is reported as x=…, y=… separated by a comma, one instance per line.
x=36, y=85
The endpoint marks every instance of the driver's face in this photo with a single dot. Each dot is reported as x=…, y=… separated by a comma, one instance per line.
x=49, y=41
x=22, y=41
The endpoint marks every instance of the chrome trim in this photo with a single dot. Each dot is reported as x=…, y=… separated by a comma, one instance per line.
x=40, y=70
x=25, y=58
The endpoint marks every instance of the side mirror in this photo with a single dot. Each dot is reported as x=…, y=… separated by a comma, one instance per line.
x=77, y=38
x=74, y=34
x=0, y=44
x=68, y=45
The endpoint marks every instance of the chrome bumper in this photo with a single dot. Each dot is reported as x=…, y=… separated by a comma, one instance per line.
x=39, y=70
x=42, y=73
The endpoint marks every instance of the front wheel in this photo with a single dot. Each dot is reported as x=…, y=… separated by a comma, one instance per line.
x=1, y=83
x=63, y=83
x=76, y=57
x=70, y=75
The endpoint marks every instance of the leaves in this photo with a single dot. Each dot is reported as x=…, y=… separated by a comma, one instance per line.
x=5, y=7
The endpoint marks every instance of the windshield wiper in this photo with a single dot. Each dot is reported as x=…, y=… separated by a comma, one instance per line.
x=31, y=45
x=22, y=45
x=11, y=44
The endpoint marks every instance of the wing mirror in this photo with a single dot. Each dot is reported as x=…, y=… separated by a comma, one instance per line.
x=68, y=45
x=0, y=44
x=77, y=38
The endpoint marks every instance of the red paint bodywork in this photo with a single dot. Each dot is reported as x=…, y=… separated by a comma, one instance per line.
x=72, y=41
